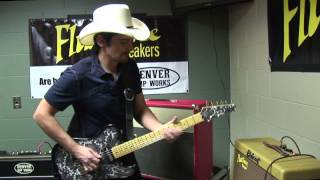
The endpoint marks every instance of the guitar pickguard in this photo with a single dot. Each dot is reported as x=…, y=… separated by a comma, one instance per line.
x=69, y=168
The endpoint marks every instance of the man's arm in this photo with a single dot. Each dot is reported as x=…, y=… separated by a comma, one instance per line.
x=146, y=117
x=45, y=118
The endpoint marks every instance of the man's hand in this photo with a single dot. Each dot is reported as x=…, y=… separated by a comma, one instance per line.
x=171, y=133
x=87, y=156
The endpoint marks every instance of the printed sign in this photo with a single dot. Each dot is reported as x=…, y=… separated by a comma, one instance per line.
x=162, y=59
x=294, y=35
x=162, y=77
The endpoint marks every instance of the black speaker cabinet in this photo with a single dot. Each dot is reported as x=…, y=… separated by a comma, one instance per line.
x=26, y=167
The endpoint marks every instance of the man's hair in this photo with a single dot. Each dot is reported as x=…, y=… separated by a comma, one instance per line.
x=106, y=36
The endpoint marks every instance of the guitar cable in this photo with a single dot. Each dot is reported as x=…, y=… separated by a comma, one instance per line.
x=282, y=145
x=229, y=125
x=220, y=75
x=40, y=146
x=283, y=157
x=284, y=148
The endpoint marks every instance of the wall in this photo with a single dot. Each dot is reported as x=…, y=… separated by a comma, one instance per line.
x=207, y=52
x=18, y=131
x=272, y=104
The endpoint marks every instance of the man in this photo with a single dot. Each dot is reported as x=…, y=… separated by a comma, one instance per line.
x=94, y=87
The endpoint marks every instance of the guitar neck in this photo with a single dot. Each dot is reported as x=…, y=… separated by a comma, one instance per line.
x=152, y=137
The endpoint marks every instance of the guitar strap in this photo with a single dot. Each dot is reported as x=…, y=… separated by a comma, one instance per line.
x=129, y=97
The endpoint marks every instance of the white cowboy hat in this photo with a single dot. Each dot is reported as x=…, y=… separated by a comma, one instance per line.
x=114, y=18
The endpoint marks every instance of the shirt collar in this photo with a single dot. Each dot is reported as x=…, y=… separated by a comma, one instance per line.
x=98, y=71
x=96, y=68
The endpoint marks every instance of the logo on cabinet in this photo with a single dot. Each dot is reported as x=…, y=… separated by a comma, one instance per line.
x=24, y=168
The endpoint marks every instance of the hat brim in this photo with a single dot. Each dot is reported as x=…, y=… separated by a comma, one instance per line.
x=138, y=31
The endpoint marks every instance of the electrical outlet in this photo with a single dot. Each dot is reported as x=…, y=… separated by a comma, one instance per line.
x=16, y=100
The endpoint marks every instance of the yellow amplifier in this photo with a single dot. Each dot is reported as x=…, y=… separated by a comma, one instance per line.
x=253, y=157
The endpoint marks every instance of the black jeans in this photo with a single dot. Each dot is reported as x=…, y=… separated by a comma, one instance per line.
x=136, y=176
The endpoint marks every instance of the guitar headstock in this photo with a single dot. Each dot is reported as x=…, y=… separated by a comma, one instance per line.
x=213, y=110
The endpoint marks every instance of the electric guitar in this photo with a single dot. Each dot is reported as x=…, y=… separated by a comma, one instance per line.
x=109, y=146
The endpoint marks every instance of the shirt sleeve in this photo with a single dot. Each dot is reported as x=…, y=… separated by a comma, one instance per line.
x=65, y=91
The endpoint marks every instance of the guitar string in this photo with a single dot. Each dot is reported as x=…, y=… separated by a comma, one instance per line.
x=137, y=143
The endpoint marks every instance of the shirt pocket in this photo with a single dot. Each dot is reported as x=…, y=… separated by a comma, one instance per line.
x=100, y=90
x=100, y=98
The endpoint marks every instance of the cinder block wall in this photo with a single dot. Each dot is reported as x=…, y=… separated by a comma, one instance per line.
x=208, y=54
x=271, y=104
x=18, y=131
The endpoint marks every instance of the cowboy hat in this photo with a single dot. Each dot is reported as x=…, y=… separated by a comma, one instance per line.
x=114, y=18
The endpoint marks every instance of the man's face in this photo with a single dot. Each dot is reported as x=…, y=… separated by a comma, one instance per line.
x=119, y=48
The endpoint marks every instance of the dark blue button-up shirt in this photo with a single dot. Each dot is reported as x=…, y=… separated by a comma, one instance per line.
x=96, y=97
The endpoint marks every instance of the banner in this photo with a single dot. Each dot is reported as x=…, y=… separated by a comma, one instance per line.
x=294, y=35
x=162, y=59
